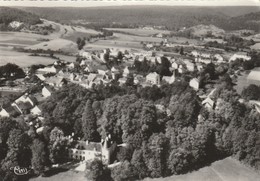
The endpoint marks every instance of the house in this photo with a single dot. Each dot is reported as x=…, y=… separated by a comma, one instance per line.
x=126, y=72
x=4, y=113
x=46, y=70
x=203, y=60
x=208, y=103
x=194, y=83
x=189, y=65
x=138, y=79
x=73, y=65
x=195, y=53
x=169, y=79
x=256, y=104
x=241, y=55
x=41, y=76
x=254, y=77
x=82, y=63
x=26, y=98
x=22, y=107
x=15, y=24
x=115, y=72
x=175, y=65
x=86, y=55
x=55, y=81
x=218, y=58
x=9, y=110
x=87, y=151
x=36, y=110
x=46, y=91
x=153, y=78
x=122, y=80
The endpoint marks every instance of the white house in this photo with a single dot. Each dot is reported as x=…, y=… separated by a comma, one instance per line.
x=208, y=103
x=169, y=79
x=46, y=70
x=26, y=98
x=4, y=113
x=36, y=110
x=194, y=83
x=87, y=151
x=189, y=65
x=55, y=81
x=242, y=56
x=46, y=91
x=153, y=78
x=126, y=72
x=218, y=58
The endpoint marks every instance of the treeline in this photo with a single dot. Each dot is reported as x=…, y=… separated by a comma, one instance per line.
x=172, y=18
x=7, y=15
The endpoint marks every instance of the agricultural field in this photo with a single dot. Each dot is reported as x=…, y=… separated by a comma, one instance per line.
x=228, y=169
x=56, y=45
x=138, y=31
x=255, y=46
x=8, y=55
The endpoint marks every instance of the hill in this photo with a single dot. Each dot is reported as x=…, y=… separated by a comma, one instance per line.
x=8, y=15
x=203, y=30
x=170, y=17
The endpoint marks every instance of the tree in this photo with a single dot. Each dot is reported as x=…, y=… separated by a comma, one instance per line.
x=181, y=51
x=252, y=92
x=119, y=55
x=97, y=171
x=11, y=71
x=58, y=146
x=18, y=144
x=124, y=171
x=89, y=123
x=39, y=157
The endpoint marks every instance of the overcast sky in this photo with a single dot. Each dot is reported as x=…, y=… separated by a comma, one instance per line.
x=93, y=3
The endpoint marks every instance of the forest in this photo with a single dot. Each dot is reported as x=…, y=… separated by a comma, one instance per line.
x=179, y=137
x=172, y=18
x=7, y=15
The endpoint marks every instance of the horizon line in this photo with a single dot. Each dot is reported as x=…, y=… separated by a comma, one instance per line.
x=121, y=3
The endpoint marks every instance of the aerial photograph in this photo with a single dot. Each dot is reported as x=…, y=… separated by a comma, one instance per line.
x=136, y=90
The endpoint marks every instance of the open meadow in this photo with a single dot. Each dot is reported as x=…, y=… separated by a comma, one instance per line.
x=228, y=169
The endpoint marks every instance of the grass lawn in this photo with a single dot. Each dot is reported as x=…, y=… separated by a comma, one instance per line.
x=63, y=176
x=228, y=169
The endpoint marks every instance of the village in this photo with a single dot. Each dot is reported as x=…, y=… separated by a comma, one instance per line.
x=136, y=95
x=93, y=69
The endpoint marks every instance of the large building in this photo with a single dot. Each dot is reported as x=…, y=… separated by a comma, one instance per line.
x=87, y=151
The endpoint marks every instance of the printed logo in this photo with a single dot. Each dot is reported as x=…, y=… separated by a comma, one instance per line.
x=19, y=170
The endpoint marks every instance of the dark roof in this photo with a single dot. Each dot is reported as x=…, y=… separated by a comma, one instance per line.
x=89, y=146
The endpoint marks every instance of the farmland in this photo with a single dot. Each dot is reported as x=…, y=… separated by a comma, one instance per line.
x=139, y=31
x=8, y=55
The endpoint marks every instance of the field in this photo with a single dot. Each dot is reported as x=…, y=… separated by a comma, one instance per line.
x=256, y=46
x=63, y=38
x=139, y=32
x=8, y=55
x=56, y=45
x=228, y=169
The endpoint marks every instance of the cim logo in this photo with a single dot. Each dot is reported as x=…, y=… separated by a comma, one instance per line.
x=20, y=171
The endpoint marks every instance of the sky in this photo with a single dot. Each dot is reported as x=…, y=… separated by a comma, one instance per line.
x=96, y=3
